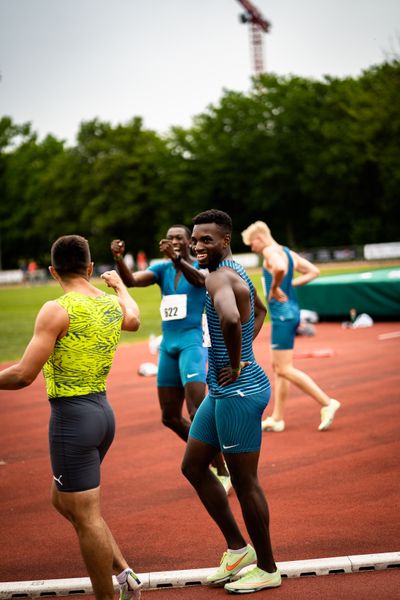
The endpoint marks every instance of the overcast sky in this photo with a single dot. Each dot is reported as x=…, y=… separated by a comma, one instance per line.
x=65, y=61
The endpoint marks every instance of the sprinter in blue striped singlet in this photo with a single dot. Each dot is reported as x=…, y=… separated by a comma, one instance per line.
x=229, y=418
x=279, y=266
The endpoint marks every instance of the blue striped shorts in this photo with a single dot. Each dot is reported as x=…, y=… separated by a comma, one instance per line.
x=231, y=424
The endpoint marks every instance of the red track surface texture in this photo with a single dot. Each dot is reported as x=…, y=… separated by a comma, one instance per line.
x=332, y=493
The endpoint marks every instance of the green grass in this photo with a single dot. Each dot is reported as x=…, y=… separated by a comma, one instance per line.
x=19, y=306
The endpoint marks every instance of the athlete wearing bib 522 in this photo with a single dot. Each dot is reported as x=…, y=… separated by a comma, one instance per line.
x=182, y=365
x=74, y=342
x=279, y=266
x=182, y=358
x=230, y=417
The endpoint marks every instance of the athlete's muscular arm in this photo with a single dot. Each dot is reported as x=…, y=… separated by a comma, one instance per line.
x=130, y=309
x=51, y=323
x=275, y=263
x=259, y=314
x=193, y=275
x=304, y=266
x=220, y=288
x=140, y=279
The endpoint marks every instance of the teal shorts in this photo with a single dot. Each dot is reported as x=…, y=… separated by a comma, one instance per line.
x=231, y=424
x=177, y=368
x=283, y=333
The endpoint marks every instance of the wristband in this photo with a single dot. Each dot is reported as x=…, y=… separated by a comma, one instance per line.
x=118, y=257
x=237, y=370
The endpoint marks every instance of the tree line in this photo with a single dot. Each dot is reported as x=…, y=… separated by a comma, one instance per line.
x=318, y=160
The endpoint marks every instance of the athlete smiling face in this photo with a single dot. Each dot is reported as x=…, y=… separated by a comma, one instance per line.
x=229, y=418
x=211, y=244
x=179, y=237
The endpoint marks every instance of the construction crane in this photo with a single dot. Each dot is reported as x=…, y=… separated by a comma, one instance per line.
x=258, y=26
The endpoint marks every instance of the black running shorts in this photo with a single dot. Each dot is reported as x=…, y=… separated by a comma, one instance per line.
x=81, y=431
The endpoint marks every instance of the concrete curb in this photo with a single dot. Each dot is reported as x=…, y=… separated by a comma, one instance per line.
x=194, y=577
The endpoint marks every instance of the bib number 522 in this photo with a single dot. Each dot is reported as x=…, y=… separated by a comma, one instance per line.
x=173, y=307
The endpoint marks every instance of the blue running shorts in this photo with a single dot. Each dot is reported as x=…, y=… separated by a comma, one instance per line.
x=231, y=424
x=283, y=333
x=176, y=369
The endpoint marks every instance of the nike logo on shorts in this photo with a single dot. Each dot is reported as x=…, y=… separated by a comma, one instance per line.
x=227, y=447
x=190, y=375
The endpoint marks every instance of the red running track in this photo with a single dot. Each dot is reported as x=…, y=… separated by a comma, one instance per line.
x=332, y=493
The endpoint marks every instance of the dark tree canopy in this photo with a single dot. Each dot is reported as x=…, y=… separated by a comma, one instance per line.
x=318, y=160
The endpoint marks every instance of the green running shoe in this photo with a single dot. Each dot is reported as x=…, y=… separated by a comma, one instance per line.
x=253, y=581
x=232, y=563
x=224, y=479
x=226, y=482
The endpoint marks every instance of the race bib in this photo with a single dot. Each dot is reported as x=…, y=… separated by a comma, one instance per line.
x=173, y=307
x=206, y=333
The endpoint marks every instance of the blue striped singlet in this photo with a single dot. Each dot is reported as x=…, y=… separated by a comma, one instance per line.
x=252, y=378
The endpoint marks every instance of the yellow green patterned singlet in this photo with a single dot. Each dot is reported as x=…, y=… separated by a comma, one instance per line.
x=82, y=359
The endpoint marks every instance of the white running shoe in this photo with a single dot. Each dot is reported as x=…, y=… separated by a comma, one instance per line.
x=269, y=424
x=130, y=590
x=328, y=414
